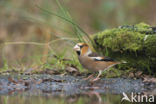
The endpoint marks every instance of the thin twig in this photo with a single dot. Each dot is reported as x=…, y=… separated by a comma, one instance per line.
x=20, y=43
x=37, y=43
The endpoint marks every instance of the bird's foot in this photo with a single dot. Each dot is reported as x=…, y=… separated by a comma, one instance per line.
x=89, y=77
x=94, y=80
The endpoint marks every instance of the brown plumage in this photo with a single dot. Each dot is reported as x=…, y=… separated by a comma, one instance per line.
x=92, y=61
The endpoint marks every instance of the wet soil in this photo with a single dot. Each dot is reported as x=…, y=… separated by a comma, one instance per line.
x=44, y=84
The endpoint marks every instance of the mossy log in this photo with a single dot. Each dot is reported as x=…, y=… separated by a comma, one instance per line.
x=135, y=44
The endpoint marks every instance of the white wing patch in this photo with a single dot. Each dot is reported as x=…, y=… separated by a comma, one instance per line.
x=97, y=58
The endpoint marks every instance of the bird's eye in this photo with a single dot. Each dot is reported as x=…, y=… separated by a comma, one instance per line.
x=81, y=46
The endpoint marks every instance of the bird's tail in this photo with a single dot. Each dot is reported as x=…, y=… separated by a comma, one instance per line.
x=121, y=62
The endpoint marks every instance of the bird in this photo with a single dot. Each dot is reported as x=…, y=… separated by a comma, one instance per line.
x=92, y=61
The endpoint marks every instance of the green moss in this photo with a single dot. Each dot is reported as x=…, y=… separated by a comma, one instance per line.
x=135, y=44
x=142, y=25
x=120, y=39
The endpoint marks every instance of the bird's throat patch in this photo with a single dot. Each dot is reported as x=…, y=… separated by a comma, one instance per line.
x=78, y=52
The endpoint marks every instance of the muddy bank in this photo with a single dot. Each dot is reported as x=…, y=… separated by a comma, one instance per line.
x=68, y=85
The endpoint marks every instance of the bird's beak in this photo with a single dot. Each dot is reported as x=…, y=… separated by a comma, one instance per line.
x=76, y=48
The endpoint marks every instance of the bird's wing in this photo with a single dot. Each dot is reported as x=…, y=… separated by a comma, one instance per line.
x=93, y=55
x=96, y=57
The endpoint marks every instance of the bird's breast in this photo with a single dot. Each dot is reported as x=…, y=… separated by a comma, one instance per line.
x=88, y=63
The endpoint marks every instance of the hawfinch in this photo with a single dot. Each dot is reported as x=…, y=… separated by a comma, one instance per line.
x=92, y=61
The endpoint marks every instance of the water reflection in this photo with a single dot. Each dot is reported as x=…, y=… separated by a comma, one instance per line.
x=90, y=98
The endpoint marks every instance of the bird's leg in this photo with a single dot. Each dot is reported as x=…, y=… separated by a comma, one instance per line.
x=98, y=76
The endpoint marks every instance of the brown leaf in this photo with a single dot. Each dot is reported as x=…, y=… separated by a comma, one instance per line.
x=49, y=71
x=37, y=81
x=12, y=80
x=138, y=74
x=131, y=75
x=147, y=79
x=71, y=69
x=28, y=71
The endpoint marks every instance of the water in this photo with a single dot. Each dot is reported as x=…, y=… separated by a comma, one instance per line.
x=77, y=99
x=55, y=89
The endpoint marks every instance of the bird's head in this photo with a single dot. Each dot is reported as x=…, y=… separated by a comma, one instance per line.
x=82, y=49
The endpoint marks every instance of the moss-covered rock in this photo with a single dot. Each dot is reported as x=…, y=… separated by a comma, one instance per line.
x=135, y=44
